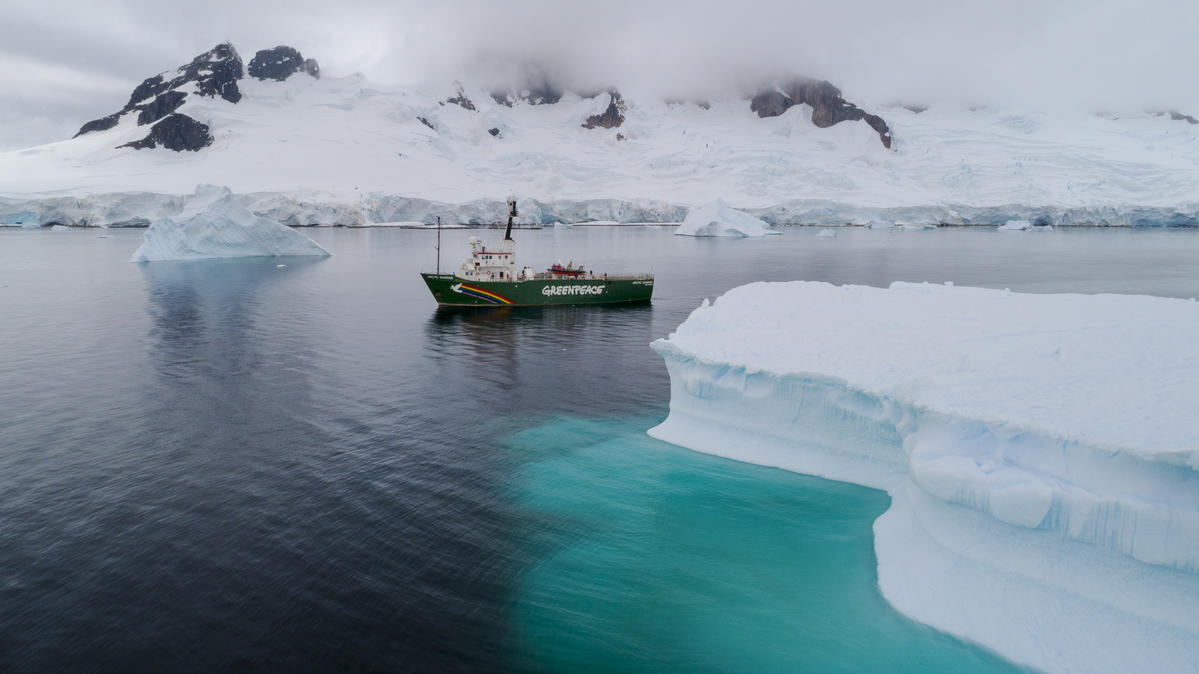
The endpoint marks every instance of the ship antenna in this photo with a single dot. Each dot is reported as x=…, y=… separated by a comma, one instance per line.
x=511, y=216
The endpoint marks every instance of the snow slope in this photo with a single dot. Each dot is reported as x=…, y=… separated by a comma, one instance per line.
x=359, y=151
x=214, y=225
x=1041, y=451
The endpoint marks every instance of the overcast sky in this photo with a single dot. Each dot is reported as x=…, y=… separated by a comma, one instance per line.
x=63, y=63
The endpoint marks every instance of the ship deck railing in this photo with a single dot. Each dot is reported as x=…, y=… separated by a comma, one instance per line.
x=543, y=276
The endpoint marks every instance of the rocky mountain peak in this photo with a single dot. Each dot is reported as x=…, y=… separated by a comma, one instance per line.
x=213, y=73
x=280, y=63
x=828, y=106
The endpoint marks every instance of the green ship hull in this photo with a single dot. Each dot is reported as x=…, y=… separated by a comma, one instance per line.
x=454, y=291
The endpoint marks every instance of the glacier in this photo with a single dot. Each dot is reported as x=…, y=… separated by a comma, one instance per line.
x=349, y=151
x=214, y=225
x=717, y=219
x=1041, y=451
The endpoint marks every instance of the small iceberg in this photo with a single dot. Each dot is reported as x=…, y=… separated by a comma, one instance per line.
x=1024, y=226
x=214, y=225
x=717, y=219
x=1015, y=226
x=826, y=233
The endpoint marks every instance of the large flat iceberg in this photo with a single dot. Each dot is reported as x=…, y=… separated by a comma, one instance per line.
x=1041, y=451
x=717, y=219
x=213, y=225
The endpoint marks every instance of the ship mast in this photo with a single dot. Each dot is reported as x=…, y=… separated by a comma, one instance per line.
x=511, y=216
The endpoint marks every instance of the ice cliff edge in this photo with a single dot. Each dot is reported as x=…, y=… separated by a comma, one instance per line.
x=213, y=225
x=1039, y=450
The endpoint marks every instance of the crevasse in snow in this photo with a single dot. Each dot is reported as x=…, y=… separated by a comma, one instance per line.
x=1040, y=450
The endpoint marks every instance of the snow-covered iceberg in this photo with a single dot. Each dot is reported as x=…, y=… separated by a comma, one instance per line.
x=1015, y=226
x=717, y=219
x=1041, y=451
x=1023, y=226
x=212, y=225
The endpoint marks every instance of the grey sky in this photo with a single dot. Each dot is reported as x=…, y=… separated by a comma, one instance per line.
x=64, y=63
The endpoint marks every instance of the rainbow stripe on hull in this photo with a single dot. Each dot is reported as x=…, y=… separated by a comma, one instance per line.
x=454, y=291
x=481, y=293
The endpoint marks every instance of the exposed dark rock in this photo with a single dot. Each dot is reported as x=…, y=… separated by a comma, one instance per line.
x=426, y=122
x=1176, y=115
x=149, y=88
x=828, y=107
x=175, y=132
x=537, y=90
x=611, y=117
x=770, y=103
x=162, y=105
x=312, y=68
x=461, y=100
x=214, y=73
x=102, y=124
x=620, y=136
x=277, y=64
x=699, y=103
x=880, y=127
x=495, y=132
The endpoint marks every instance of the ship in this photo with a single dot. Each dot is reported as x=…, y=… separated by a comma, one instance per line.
x=491, y=277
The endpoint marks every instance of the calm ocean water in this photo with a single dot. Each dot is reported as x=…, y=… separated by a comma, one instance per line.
x=240, y=465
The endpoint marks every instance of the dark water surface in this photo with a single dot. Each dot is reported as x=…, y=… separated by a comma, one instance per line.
x=236, y=465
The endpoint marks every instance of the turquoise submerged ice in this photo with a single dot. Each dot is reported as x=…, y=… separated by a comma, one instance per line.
x=1040, y=450
x=652, y=558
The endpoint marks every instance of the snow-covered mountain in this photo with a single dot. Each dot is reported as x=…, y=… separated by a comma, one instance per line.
x=311, y=149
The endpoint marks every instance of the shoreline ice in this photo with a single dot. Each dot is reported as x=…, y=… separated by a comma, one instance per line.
x=1039, y=450
x=299, y=209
